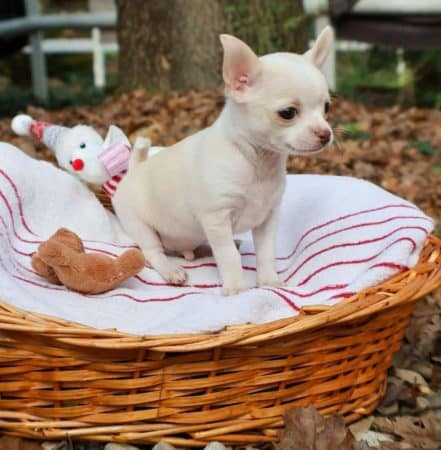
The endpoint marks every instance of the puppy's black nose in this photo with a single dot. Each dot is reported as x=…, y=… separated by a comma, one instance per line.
x=324, y=135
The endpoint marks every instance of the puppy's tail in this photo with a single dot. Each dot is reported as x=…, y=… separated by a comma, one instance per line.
x=140, y=151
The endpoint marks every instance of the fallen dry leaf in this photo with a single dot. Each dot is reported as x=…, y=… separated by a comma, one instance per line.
x=16, y=443
x=306, y=429
x=425, y=327
x=363, y=446
x=393, y=446
x=422, y=432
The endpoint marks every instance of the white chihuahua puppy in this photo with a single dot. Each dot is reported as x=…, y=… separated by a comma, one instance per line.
x=229, y=178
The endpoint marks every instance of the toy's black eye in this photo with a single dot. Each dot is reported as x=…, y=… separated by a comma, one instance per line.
x=327, y=107
x=82, y=145
x=288, y=113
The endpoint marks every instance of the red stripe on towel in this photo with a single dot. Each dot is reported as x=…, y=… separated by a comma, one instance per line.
x=390, y=265
x=8, y=206
x=365, y=224
x=163, y=284
x=317, y=291
x=355, y=261
x=350, y=244
x=8, y=237
x=36, y=283
x=149, y=300
x=347, y=216
x=342, y=295
x=20, y=205
x=284, y=298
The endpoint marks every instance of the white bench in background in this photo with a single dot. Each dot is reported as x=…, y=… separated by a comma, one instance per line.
x=92, y=45
x=319, y=9
x=102, y=12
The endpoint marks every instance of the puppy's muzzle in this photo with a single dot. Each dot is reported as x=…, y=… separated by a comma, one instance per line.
x=324, y=135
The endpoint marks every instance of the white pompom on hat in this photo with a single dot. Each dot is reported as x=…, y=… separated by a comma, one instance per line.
x=48, y=133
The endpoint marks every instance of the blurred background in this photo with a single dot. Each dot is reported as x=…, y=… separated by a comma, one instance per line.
x=68, y=52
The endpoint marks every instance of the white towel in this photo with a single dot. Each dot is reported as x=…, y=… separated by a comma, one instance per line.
x=336, y=236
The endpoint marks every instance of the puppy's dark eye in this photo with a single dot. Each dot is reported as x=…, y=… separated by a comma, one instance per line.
x=327, y=107
x=82, y=145
x=288, y=113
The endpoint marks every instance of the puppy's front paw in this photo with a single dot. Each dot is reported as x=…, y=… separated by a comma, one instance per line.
x=272, y=281
x=174, y=274
x=233, y=289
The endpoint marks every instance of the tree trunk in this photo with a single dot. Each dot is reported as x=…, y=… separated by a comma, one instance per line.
x=170, y=44
x=174, y=44
x=270, y=26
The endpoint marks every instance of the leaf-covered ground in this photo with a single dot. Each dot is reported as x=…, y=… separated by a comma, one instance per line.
x=396, y=148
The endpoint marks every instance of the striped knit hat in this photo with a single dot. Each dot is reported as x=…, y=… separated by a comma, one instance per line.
x=48, y=133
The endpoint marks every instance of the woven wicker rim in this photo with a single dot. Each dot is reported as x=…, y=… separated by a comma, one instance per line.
x=418, y=281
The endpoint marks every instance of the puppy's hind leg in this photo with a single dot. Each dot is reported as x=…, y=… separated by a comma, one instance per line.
x=188, y=255
x=151, y=246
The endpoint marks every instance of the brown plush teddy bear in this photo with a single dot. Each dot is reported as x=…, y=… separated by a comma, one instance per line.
x=62, y=260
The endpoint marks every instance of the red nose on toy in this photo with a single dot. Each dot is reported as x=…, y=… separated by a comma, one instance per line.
x=77, y=164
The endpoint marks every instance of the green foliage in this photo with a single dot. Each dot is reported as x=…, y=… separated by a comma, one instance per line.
x=70, y=83
x=427, y=71
x=362, y=74
x=292, y=23
x=14, y=98
x=354, y=130
x=269, y=25
x=358, y=70
x=423, y=147
x=389, y=80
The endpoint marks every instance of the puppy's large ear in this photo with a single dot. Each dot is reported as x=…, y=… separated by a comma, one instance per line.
x=319, y=52
x=241, y=67
x=115, y=135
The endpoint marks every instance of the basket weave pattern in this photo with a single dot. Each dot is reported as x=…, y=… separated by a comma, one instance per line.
x=59, y=379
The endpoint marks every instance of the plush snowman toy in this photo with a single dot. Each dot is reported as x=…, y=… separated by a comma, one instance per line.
x=81, y=150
